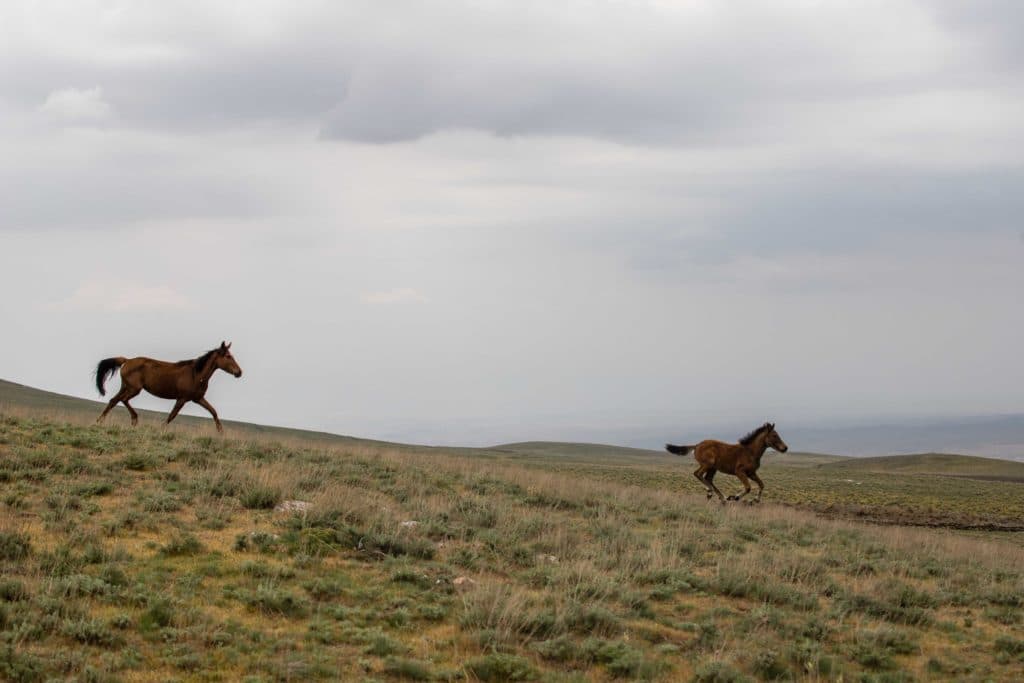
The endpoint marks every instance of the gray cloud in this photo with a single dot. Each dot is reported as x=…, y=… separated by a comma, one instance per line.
x=840, y=210
x=995, y=26
x=634, y=72
x=78, y=178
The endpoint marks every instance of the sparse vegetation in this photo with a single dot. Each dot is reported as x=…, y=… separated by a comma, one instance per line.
x=159, y=555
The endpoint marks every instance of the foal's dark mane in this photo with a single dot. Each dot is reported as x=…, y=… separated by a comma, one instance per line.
x=749, y=438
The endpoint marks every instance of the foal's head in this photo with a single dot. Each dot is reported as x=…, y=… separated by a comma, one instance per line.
x=225, y=361
x=773, y=440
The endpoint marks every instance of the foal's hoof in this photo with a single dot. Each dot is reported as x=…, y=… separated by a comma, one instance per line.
x=732, y=498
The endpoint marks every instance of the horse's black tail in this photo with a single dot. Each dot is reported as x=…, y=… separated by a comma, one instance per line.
x=105, y=369
x=678, y=450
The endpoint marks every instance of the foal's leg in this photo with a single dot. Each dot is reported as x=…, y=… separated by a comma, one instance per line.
x=746, y=486
x=710, y=479
x=700, y=473
x=760, y=486
x=174, y=411
x=206, y=404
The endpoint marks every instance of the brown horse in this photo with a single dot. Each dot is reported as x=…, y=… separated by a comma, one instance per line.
x=183, y=381
x=740, y=459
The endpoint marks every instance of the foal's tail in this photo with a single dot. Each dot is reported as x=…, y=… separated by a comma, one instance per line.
x=678, y=450
x=105, y=369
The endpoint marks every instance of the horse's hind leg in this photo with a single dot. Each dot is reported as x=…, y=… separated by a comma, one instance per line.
x=123, y=394
x=110, y=406
x=131, y=392
x=700, y=473
x=710, y=479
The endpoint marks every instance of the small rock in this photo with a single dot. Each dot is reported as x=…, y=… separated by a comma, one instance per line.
x=410, y=523
x=292, y=506
x=547, y=559
x=463, y=582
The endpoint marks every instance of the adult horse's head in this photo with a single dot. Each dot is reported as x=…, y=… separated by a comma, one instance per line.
x=773, y=440
x=225, y=361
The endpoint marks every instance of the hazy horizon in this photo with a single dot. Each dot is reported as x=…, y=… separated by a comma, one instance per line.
x=433, y=219
x=994, y=436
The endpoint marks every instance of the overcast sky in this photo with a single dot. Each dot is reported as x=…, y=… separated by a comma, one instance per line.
x=474, y=222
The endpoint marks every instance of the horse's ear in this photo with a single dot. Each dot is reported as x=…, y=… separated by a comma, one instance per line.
x=228, y=346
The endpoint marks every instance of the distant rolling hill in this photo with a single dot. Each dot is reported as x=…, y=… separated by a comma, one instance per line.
x=558, y=449
x=934, y=463
x=21, y=398
x=995, y=436
x=624, y=454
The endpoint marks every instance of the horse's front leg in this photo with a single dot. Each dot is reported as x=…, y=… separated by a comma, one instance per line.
x=760, y=486
x=174, y=411
x=206, y=404
x=746, y=486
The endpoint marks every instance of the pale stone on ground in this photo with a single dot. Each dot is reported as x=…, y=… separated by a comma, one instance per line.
x=292, y=506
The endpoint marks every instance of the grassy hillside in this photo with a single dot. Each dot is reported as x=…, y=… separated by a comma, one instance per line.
x=157, y=554
x=28, y=398
x=882, y=497
x=23, y=400
x=869, y=492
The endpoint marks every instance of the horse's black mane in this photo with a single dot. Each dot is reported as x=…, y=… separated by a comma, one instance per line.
x=198, y=363
x=749, y=438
